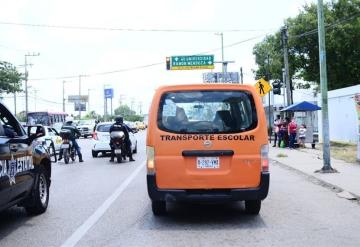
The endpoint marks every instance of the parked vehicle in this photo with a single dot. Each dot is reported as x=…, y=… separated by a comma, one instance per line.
x=208, y=143
x=101, y=140
x=25, y=165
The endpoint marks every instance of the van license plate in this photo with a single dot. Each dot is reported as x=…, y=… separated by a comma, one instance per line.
x=208, y=162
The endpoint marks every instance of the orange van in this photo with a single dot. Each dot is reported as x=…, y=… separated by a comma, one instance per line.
x=207, y=143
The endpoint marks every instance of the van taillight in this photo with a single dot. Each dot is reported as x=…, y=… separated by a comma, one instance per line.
x=150, y=163
x=264, y=158
x=95, y=137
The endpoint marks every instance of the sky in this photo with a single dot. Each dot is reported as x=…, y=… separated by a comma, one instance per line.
x=68, y=52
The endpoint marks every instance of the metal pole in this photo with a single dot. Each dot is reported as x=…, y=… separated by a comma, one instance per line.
x=14, y=100
x=284, y=34
x=26, y=89
x=241, y=75
x=79, y=97
x=111, y=107
x=324, y=90
x=89, y=100
x=63, y=92
x=268, y=79
x=222, y=52
x=35, y=91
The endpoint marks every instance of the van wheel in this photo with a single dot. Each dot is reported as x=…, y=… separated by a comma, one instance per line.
x=39, y=198
x=94, y=154
x=253, y=206
x=158, y=207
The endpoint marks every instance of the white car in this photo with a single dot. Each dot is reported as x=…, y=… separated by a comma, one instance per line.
x=101, y=140
x=51, y=137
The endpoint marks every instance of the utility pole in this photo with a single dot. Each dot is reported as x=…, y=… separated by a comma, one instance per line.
x=79, y=97
x=26, y=81
x=35, y=92
x=268, y=79
x=63, y=93
x=284, y=36
x=14, y=101
x=241, y=75
x=324, y=91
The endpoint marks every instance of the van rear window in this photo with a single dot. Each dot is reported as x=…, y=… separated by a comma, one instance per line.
x=207, y=112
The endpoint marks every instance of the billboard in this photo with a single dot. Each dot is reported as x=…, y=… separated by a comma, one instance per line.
x=80, y=106
x=218, y=77
x=77, y=98
x=109, y=93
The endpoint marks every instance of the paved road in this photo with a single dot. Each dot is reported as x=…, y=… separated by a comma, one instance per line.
x=102, y=204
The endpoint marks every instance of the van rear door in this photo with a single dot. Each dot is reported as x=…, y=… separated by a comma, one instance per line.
x=208, y=139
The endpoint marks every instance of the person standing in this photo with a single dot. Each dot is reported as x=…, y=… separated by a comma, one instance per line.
x=276, y=128
x=302, y=135
x=292, y=128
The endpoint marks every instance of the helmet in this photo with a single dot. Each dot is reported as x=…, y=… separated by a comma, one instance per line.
x=69, y=119
x=119, y=119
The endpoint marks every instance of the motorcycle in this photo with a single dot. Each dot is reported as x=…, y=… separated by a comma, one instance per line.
x=118, y=143
x=67, y=147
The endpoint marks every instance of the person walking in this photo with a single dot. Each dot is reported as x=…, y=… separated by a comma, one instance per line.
x=292, y=128
x=282, y=134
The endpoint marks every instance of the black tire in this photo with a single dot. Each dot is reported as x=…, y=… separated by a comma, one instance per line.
x=135, y=150
x=66, y=156
x=94, y=154
x=158, y=207
x=119, y=158
x=253, y=206
x=39, y=198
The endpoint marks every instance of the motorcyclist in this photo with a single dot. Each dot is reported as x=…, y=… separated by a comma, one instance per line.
x=74, y=133
x=120, y=126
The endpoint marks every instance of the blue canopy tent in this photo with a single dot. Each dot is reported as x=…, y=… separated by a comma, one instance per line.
x=302, y=106
x=305, y=107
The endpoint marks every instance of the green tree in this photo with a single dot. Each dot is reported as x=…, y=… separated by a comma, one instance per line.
x=124, y=111
x=10, y=78
x=342, y=46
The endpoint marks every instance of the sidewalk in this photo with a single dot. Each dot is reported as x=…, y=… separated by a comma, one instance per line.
x=309, y=160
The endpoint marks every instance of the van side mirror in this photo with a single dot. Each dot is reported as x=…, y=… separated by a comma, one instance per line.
x=35, y=131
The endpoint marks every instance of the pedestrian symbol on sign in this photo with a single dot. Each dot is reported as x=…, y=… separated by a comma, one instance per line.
x=262, y=87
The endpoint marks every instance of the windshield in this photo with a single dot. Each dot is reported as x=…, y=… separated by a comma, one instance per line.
x=207, y=112
x=103, y=128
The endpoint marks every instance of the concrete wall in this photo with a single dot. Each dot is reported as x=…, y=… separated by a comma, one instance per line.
x=343, y=123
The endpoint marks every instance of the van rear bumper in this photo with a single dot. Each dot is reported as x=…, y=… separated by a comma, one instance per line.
x=213, y=195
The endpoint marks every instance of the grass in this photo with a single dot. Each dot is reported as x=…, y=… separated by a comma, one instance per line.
x=343, y=151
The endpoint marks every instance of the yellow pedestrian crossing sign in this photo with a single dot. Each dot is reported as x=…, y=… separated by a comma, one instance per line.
x=262, y=87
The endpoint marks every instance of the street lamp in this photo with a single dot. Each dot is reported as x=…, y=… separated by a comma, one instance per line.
x=222, y=50
x=26, y=80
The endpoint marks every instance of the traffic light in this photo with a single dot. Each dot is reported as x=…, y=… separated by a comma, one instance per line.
x=168, y=63
x=277, y=84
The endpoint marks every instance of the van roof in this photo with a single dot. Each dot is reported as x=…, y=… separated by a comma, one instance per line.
x=206, y=86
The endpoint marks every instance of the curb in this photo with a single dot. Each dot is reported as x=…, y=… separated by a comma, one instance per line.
x=316, y=180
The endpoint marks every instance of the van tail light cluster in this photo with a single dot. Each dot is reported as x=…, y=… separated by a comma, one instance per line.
x=264, y=158
x=95, y=136
x=150, y=163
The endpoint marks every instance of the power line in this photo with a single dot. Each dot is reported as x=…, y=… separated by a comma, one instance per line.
x=93, y=28
x=328, y=26
x=141, y=66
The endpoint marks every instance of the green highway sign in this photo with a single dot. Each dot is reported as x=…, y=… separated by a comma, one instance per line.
x=190, y=62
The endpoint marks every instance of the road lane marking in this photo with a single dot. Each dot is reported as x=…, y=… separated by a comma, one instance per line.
x=85, y=227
